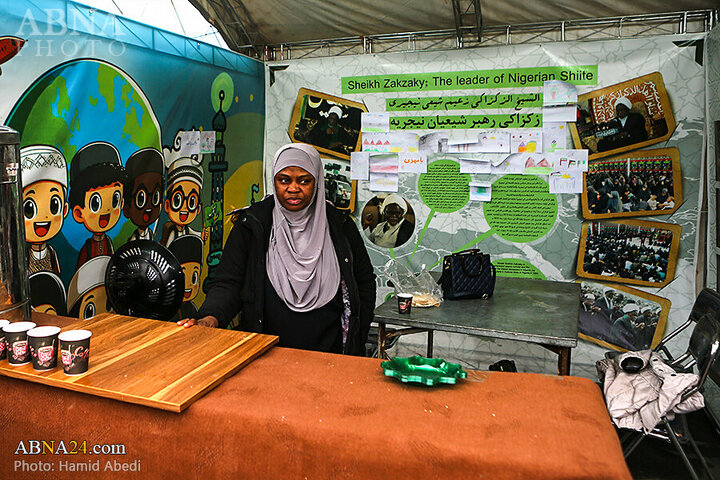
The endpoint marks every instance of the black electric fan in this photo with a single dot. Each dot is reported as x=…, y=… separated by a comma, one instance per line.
x=143, y=279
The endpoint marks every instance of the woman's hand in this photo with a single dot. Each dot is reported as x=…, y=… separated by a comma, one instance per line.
x=208, y=321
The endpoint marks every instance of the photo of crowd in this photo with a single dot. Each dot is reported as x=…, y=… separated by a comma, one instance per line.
x=629, y=251
x=623, y=117
x=622, y=317
x=645, y=183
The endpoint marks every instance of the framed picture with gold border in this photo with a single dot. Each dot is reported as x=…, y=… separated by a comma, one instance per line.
x=629, y=251
x=647, y=182
x=329, y=123
x=623, y=117
x=621, y=317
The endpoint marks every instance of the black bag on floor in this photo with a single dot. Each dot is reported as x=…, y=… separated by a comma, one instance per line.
x=467, y=274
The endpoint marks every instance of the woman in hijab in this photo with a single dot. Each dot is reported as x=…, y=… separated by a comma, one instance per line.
x=394, y=230
x=295, y=266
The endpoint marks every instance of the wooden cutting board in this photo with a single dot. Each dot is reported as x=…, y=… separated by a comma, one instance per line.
x=150, y=362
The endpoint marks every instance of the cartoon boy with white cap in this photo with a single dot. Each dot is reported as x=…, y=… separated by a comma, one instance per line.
x=182, y=198
x=86, y=294
x=45, y=185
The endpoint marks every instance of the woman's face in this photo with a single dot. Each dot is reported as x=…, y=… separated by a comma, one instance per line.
x=294, y=188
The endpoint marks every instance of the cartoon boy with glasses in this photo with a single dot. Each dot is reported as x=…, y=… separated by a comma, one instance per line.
x=182, y=198
x=143, y=193
x=97, y=180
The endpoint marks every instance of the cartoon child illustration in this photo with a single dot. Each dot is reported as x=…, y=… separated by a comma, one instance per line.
x=44, y=175
x=97, y=178
x=182, y=198
x=188, y=250
x=143, y=193
x=86, y=294
x=47, y=293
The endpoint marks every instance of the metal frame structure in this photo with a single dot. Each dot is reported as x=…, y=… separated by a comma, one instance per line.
x=471, y=33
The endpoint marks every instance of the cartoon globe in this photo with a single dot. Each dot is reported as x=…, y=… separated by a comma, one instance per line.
x=79, y=102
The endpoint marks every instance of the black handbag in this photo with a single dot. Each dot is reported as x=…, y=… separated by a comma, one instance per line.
x=467, y=274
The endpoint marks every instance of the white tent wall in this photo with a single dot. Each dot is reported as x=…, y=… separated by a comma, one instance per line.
x=555, y=254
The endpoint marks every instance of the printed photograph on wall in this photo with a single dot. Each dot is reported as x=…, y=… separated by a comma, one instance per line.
x=645, y=182
x=329, y=123
x=623, y=117
x=621, y=317
x=339, y=189
x=629, y=251
x=388, y=220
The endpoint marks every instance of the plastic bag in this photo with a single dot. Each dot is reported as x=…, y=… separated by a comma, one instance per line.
x=423, y=287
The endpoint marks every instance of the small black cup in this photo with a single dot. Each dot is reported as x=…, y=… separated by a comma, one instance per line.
x=3, y=348
x=404, y=302
x=75, y=351
x=43, y=347
x=16, y=342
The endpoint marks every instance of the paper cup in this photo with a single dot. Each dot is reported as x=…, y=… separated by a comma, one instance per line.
x=43, y=342
x=404, y=302
x=75, y=351
x=16, y=342
x=3, y=349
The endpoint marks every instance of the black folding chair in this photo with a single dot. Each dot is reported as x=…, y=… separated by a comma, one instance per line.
x=702, y=353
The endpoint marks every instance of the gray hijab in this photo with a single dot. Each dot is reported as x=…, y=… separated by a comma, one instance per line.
x=301, y=261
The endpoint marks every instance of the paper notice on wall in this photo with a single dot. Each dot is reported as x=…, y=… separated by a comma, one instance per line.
x=494, y=142
x=207, y=141
x=415, y=162
x=436, y=142
x=469, y=165
x=564, y=160
x=359, y=165
x=565, y=113
x=189, y=143
x=374, y=122
x=383, y=182
x=464, y=148
x=480, y=191
x=392, y=142
x=566, y=182
x=529, y=163
x=556, y=92
x=529, y=141
x=384, y=164
x=554, y=136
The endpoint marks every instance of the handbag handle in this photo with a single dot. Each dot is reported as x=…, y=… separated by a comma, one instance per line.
x=462, y=263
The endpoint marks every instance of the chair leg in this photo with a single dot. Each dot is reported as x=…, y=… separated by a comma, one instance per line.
x=678, y=447
x=695, y=448
x=632, y=444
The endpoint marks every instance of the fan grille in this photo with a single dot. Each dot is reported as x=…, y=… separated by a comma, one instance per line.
x=144, y=279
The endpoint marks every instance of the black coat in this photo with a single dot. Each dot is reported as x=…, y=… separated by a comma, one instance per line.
x=238, y=285
x=632, y=132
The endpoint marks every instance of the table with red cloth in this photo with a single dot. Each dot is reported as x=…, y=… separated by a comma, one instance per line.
x=294, y=414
